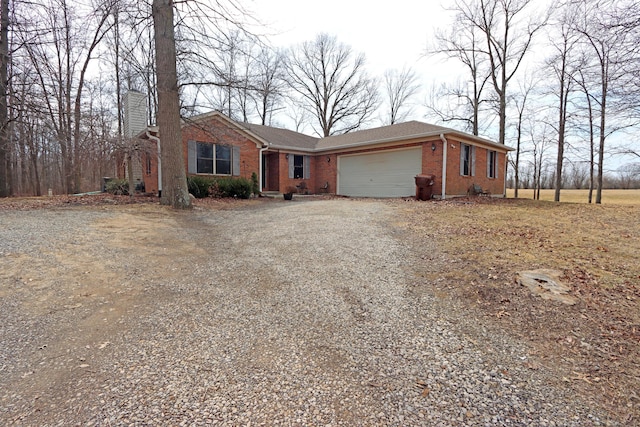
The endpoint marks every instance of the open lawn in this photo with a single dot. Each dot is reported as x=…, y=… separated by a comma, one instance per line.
x=594, y=344
x=609, y=197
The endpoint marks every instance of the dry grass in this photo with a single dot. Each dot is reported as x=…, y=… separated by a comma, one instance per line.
x=594, y=345
x=609, y=197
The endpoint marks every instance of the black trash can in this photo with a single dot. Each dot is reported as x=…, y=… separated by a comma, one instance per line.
x=424, y=187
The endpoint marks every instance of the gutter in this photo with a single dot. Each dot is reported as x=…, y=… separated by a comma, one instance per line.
x=157, y=140
x=445, y=145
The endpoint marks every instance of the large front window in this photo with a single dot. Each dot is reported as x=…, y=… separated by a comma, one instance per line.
x=214, y=159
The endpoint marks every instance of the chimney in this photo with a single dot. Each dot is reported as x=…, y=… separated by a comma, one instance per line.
x=135, y=113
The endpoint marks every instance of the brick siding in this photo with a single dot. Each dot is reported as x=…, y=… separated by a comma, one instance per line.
x=323, y=167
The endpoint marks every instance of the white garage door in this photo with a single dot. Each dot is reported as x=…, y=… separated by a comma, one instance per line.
x=386, y=174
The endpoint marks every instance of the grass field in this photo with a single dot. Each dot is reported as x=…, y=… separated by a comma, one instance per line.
x=593, y=344
x=609, y=197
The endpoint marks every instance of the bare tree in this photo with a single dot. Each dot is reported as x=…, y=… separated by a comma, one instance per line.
x=526, y=89
x=578, y=175
x=464, y=43
x=174, y=185
x=507, y=40
x=453, y=103
x=60, y=46
x=541, y=139
x=269, y=83
x=612, y=49
x=400, y=87
x=4, y=111
x=564, y=42
x=586, y=91
x=332, y=84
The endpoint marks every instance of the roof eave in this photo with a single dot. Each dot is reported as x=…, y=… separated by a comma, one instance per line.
x=416, y=136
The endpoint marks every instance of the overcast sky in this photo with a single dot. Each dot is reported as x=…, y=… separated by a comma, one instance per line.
x=391, y=35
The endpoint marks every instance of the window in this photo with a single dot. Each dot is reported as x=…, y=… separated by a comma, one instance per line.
x=492, y=164
x=205, y=158
x=299, y=166
x=148, y=164
x=213, y=159
x=223, y=160
x=467, y=160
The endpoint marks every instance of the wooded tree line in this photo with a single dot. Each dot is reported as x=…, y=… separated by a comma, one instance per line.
x=66, y=65
x=562, y=80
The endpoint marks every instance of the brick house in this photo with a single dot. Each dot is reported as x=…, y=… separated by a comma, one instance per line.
x=379, y=162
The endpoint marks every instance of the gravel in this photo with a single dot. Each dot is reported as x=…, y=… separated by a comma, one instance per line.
x=298, y=313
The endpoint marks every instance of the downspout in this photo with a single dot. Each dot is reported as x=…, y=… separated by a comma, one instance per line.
x=157, y=140
x=445, y=145
x=504, y=172
x=262, y=150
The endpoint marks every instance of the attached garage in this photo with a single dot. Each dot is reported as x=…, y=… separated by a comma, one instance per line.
x=379, y=174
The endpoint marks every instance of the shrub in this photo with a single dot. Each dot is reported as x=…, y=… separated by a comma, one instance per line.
x=199, y=186
x=255, y=185
x=240, y=188
x=119, y=187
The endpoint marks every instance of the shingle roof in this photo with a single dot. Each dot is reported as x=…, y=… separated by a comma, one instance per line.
x=391, y=132
x=287, y=139
x=281, y=137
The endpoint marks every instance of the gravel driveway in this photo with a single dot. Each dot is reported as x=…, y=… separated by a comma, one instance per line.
x=299, y=313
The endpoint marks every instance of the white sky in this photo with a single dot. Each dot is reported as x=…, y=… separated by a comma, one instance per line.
x=391, y=34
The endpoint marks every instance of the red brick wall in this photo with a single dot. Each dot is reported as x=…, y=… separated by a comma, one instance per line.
x=286, y=182
x=458, y=184
x=432, y=163
x=326, y=170
x=218, y=132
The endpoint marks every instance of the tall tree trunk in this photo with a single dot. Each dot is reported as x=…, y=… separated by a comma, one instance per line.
x=174, y=187
x=4, y=111
x=591, y=150
x=603, y=115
